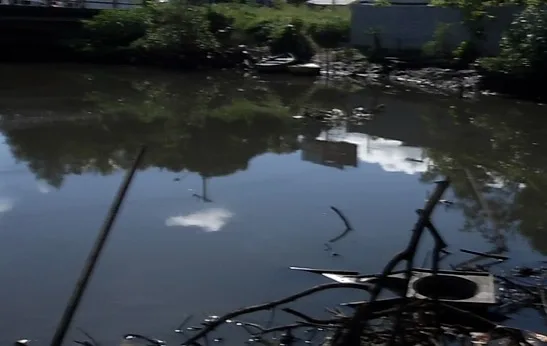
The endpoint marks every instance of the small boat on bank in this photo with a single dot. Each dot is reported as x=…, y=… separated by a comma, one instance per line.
x=309, y=69
x=278, y=63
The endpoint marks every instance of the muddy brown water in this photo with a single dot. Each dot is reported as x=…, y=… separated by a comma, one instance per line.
x=233, y=190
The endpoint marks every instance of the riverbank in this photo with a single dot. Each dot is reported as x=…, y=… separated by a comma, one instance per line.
x=434, y=76
x=182, y=35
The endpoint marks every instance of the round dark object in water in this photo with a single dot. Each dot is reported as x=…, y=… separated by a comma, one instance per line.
x=446, y=287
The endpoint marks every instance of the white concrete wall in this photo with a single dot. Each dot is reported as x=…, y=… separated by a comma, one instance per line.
x=412, y=26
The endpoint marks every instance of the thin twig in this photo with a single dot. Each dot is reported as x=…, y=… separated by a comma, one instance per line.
x=88, y=336
x=343, y=217
x=249, y=324
x=271, y=305
x=326, y=271
x=183, y=323
x=311, y=319
x=290, y=327
x=498, y=257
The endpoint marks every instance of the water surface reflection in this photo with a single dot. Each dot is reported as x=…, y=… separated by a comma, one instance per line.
x=234, y=190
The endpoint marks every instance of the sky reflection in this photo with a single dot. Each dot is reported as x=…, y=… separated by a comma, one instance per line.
x=209, y=220
x=390, y=154
x=6, y=204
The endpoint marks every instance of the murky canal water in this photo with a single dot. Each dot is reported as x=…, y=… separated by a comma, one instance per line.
x=233, y=190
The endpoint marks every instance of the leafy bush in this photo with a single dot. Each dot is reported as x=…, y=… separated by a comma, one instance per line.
x=330, y=33
x=260, y=25
x=291, y=39
x=178, y=29
x=523, y=48
x=117, y=27
x=438, y=46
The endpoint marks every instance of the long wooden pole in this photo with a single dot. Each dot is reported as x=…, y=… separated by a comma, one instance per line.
x=87, y=271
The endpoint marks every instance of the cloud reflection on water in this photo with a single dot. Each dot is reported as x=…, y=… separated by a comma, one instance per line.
x=390, y=154
x=6, y=204
x=43, y=187
x=210, y=220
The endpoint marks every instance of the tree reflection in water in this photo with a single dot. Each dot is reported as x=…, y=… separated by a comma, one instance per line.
x=215, y=125
x=496, y=159
x=212, y=128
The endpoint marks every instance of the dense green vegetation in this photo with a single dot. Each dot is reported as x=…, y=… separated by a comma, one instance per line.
x=484, y=148
x=521, y=64
x=179, y=32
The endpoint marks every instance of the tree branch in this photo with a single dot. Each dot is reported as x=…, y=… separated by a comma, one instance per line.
x=267, y=306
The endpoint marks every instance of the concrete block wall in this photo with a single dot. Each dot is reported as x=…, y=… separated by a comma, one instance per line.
x=404, y=27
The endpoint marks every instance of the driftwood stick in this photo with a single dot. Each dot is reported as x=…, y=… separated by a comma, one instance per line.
x=267, y=306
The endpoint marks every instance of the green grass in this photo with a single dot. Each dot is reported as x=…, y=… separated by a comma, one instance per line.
x=176, y=29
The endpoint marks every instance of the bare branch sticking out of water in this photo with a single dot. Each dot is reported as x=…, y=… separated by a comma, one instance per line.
x=342, y=235
x=344, y=219
x=271, y=305
x=84, y=343
x=91, y=341
x=498, y=257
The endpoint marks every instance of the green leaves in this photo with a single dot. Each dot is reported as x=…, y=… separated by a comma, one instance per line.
x=523, y=48
x=329, y=33
x=177, y=30
x=116, y=27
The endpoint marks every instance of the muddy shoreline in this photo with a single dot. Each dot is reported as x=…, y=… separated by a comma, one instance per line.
x=464, y=83
x=435, y=77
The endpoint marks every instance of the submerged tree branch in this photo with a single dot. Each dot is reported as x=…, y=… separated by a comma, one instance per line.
x=267, y=306
x=310, y=319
